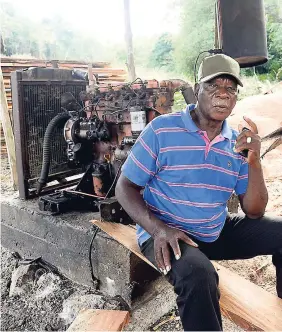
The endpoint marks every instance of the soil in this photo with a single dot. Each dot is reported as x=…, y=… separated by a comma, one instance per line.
x=41, y=299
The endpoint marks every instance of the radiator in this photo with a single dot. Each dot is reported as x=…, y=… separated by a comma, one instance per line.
x=36, y=95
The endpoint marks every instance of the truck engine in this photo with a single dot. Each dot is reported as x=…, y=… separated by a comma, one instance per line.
x=99, y=137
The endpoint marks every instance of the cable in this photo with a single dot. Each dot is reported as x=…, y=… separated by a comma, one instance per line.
x=83, y=108
x=113, y=181
x=95, y=107
x=211, y=51
x=94, y=279
x=195, y=65
x=138, y=78
x=119, y=110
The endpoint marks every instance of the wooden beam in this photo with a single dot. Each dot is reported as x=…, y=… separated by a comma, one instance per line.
x=99, y=320
x=247, y=304
x=8, y=133
x=243, y=302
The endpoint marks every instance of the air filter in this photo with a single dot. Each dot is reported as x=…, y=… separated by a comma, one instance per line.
x=241, y=31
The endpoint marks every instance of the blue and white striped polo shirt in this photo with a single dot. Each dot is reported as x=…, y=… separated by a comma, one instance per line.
x=188, y=179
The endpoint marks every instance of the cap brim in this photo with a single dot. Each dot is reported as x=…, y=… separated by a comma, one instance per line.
x=210, y=77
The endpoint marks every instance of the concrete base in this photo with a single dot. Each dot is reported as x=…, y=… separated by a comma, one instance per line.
x=158, y=300
x=64, y=242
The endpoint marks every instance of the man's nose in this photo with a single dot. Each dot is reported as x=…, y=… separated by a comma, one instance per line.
x=222, y=92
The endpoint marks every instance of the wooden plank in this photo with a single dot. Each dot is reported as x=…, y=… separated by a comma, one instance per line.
x=8, y=133
x=99, y=320
x=9, y=62
x=126, y=235
x=243, y=302
x=247, y=304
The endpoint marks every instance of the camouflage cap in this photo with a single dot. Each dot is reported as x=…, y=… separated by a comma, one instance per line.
x=216, y=65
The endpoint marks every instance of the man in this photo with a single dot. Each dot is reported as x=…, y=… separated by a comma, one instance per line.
x=189, y=164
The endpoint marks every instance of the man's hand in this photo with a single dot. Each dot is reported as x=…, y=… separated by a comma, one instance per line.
x=253, y=146
x=164, y=239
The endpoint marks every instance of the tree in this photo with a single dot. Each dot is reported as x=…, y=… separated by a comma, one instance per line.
x=196, y=33
x=128, y=40
x=162, y=53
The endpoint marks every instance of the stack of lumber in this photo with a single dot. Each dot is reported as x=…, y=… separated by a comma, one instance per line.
x=105, y=72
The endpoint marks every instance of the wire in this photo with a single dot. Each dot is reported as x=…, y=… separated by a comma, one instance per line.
x=94, y=279
x=211, y=51
x=82, y=109
x=138, y=78
x=113, y=180
x=119, y=110
x=195, y=65
x=95, y=107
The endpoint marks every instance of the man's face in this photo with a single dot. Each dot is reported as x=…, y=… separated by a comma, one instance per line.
x=217, y=97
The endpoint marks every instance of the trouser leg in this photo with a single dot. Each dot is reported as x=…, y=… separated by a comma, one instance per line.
x=246, y=238
x=195, y=282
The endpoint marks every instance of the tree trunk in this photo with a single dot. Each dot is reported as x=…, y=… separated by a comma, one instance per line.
x=128, y=40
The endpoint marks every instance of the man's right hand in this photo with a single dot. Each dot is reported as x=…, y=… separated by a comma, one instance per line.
x=164, y=239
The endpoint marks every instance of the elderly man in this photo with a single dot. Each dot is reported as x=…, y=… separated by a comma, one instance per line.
x=189, y=164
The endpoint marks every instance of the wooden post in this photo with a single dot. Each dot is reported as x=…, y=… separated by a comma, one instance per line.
x=128, y=40
x=8, y=133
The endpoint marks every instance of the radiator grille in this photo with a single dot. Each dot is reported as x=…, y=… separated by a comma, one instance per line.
x=41, y=102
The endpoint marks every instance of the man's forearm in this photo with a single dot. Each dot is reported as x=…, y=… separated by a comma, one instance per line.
x=133, y=203
x=256, y=196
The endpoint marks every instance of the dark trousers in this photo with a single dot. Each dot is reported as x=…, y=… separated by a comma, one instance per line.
x=194, y=278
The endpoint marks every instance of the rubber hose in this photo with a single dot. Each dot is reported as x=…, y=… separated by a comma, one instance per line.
x=53, y=124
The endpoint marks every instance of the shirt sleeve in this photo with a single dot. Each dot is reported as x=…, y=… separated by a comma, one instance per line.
x=242, y=181
x=141, y=164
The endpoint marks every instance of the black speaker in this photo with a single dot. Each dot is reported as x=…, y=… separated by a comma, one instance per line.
x=241, y=31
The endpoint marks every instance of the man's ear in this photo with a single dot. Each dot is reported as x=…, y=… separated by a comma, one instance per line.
x=196, y=89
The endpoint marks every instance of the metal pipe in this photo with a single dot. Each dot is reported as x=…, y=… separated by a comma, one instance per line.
x=185, y=88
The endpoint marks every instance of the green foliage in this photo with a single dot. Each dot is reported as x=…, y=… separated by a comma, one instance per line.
x=49, y=39
x=162, y=53
x=179, y=102
x=55, y=39
x=196, y=33
x=272, y=70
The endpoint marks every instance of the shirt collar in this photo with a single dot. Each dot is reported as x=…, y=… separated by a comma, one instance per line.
x=192, y=127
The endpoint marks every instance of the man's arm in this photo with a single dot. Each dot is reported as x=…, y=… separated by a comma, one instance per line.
x=129, y=196
x=254, y=201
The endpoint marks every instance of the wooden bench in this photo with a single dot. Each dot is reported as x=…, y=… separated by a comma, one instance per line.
x=243, y=302
x=99, y=320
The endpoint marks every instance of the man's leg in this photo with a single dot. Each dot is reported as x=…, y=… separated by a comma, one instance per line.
x=195, y=282
x=246, y=238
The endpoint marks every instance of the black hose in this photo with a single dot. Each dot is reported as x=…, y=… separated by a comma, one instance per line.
x=53, y=124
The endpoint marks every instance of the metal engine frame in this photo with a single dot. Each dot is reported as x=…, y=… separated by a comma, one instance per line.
x=97, y=130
